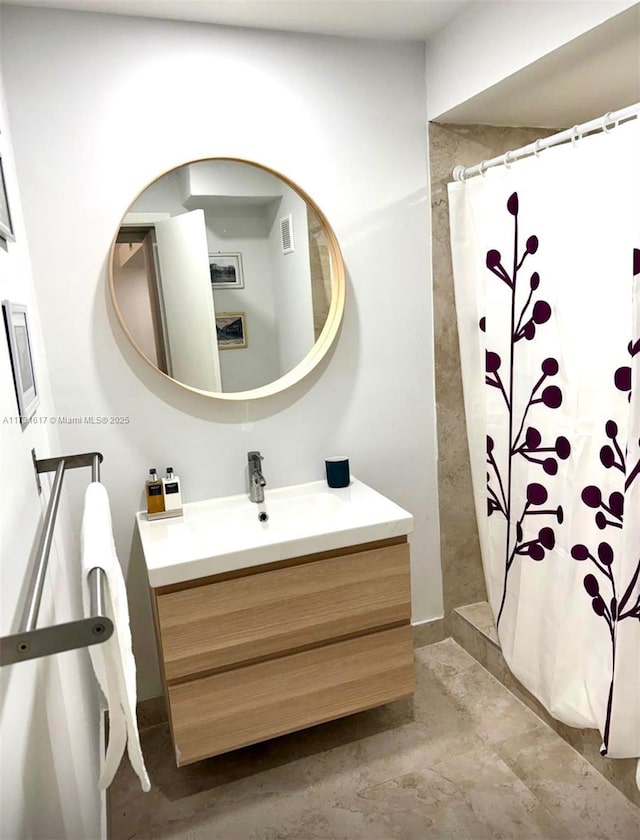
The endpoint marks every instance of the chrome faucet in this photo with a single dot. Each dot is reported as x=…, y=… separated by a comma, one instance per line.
x=256, y=479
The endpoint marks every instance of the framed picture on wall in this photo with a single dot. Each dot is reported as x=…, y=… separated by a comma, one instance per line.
x=231, y=330
x=6, y=225
x=21, y=354
x=226, y=271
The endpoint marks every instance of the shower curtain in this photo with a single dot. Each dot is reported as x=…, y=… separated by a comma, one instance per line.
x=547, y=280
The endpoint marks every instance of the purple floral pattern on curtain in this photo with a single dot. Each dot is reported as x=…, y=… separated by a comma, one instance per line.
x=552, y=403
x=610, y=601
x=524, y=440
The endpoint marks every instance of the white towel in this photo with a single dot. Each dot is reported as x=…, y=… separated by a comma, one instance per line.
x=112, y=660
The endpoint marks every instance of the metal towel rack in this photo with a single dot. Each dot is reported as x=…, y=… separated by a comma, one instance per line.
x=31, y=642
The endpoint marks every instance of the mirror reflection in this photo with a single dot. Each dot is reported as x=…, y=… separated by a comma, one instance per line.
x=221, y=274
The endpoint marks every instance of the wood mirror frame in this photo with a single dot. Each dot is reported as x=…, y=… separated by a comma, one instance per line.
x=331, y=325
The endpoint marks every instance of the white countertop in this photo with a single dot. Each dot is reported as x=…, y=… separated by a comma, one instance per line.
x=222, y=535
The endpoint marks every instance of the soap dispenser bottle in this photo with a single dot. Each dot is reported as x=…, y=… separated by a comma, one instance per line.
x=172, y=493
x=155, y=496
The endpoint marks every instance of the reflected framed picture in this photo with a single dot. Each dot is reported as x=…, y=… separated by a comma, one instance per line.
x=20, y=351
x=231, y=330
x=226, y=271
x=6, y=225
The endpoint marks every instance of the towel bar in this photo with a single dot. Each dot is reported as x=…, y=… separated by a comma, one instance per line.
x=31, y=642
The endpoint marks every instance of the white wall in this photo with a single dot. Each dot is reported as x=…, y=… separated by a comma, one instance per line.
x=257, y=364
x=327, y=113
x=244, y=229
x=49, y=716
x=292, y=282
x=491, y=41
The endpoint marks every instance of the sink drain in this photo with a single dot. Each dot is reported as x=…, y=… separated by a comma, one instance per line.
x=263, y=516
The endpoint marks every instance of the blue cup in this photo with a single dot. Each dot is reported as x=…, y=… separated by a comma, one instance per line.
x=337, y=471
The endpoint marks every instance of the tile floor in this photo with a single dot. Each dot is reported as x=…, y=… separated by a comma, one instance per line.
x=474, y=629
x=463, y=760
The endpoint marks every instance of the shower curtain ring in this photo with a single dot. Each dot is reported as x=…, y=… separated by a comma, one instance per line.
x=508, y=163
x=483, y=168
x=575, y=135
x=606, y=120
x=536, y=148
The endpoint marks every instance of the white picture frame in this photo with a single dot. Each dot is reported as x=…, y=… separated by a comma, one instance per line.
x=6, y=225
x=225, y=270
x=21, y=354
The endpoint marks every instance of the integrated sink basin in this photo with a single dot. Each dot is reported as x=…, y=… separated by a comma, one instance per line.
x=226, y=534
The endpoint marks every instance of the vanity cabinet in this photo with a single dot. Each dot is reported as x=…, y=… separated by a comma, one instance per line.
x=262, y=651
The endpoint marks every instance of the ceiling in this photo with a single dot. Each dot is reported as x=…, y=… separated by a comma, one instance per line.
x=415, y=20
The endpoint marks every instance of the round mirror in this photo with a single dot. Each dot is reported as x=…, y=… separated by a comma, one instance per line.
x=227, y=278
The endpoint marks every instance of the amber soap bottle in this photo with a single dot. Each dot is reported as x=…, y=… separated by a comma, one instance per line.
x=155, y=496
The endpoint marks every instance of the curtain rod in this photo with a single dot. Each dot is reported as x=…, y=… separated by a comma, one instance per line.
x=613, y=118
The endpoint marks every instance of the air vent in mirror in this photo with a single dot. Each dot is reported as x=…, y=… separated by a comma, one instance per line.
x=286, y=234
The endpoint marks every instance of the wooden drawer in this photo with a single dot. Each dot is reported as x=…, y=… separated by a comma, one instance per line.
x=224, y=711
x=227, y=622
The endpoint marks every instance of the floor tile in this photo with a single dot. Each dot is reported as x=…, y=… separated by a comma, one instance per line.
x=495, y=712
x=589, y=805
x=474, y=795
x=257, y=773
x=587, y=742
x=348, y=769
x=461, y=760
x=498, y=798
x=270, y=819
x=445, y=659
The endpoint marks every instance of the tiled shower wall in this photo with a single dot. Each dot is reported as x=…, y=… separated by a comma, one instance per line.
x=463, y=581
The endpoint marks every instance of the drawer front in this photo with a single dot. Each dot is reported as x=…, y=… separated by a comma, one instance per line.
x=215, y=714
x=270, y=613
